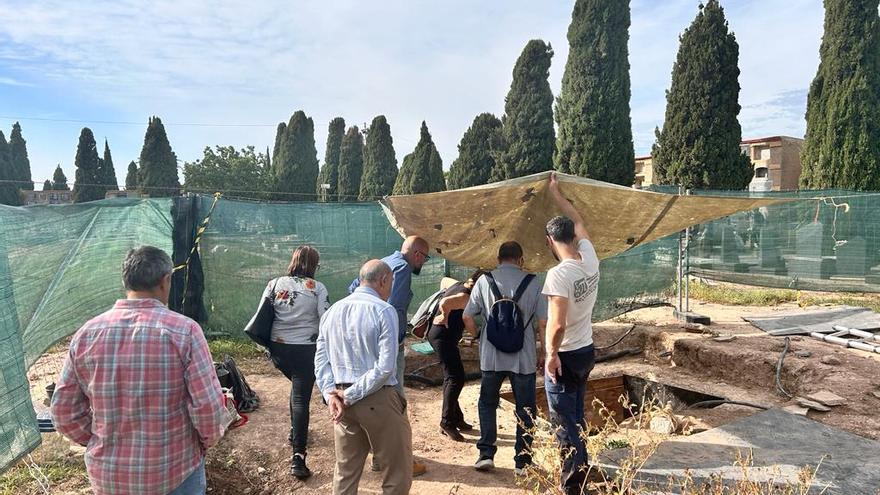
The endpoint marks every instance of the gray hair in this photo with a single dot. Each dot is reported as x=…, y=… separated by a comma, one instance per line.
x=561, y=229
x=144, y=268
x=374, y=271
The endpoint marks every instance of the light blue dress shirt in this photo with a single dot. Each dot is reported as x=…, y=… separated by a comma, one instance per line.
x=357, y=344
x=401, y=290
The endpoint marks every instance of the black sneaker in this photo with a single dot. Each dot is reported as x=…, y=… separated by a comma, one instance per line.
x=464, y=426
x=451, y=433
x=298, y=466
x=484, y=463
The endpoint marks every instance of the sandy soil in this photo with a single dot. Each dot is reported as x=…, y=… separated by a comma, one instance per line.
x=254, y=459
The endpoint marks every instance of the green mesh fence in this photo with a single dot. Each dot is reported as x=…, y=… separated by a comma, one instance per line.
x=60, y=266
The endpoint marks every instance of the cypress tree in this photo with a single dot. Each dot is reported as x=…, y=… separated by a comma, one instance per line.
x=47, y=185
x=595, y=130
x=158, y=164
x=351, y=165
x=296, y=162
x=131, y=178
x=278, y=150
x=699, y=144
x=59, y=180
x=422, y=170
x=476, y=153
x=380, y=162
x=108, y=173
x=842, y=146
x=9, y=191
x=527, y=124
x=403, y=183
x=87, y=186
x=19, y=156
x=330, y=171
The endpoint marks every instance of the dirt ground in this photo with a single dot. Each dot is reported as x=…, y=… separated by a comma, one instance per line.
x=254, y=459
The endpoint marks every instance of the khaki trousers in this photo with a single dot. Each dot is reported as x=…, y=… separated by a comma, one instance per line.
x=380, y=420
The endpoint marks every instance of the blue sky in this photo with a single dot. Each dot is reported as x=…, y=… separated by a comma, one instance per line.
x=242, y=68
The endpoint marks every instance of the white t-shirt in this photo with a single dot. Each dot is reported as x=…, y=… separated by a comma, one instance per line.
x=577, y=281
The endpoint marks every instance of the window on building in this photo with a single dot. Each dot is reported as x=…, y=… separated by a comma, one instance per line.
x=761, y=173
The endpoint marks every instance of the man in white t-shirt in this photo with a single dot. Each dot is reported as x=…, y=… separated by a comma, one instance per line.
x=571, y=288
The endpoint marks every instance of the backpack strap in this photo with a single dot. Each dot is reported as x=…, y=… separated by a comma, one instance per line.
x=526, y=281
x=493, y=286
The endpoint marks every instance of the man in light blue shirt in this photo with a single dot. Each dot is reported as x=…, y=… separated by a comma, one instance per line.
x=404, y=264
x=355, y=363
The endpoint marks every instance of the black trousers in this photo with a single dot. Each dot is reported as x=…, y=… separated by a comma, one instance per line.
x=297, y=363
x=444, y=340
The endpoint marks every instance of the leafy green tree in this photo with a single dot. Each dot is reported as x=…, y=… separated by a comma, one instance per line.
x=232, y=172
x=131, y=178
x=330, y=171
x=88, y=186
x=158, y=164
x=842, y=146
x=18, y=155
x=9, y=187
x=422, y=170
x=296, y=164
x=380, y=162
x=351, y=165
x=59, y=180
x=527, y=124
x=476, y=153
x=107, y=174
x=595, y=130
x=699, y=144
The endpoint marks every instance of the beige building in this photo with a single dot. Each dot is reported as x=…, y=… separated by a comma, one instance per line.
x=774, y=158
x=644, y=172
x=47, y=197
x=134, y=193
x=778, y=158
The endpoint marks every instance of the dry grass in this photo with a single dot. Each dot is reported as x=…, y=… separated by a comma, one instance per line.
x=636, y=435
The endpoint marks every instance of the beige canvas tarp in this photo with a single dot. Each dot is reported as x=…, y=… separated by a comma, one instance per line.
x=466, y=226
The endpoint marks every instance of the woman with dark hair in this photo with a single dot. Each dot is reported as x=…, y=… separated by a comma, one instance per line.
x=444, y=335
x=300, y=300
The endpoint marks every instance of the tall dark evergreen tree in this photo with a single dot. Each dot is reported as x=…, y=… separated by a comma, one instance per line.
x=9, y=187
x=107, y=173
x=330, y=171
x=351, y=165
x=59, y=180
x=422, y=170
x=158, y=164
x=87, y=186
x=476, y=153
x=380, y=162
x=131, y=177
x=278, y=150
x=47, y=185
x=842, y=147
x=296, y=162
x=529, y=137
x=19, y=156
x=595, y=130
x=699, y=144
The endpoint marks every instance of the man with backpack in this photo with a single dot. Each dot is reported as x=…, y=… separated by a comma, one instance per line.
x=571, y=288
x=511, y=303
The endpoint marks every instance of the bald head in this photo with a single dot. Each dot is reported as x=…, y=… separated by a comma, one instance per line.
x=377, y=275
x=415, y=250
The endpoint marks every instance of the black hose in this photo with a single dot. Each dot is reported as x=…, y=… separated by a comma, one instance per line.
x=617, y=354
x=779, y=370
x=718, y=402
x=619, y=340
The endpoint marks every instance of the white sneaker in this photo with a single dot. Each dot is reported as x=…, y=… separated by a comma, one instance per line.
x=520, y=472
x=484, y=463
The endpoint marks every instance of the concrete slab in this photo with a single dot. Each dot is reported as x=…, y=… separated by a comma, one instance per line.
x=820, y=320
x=781, y=444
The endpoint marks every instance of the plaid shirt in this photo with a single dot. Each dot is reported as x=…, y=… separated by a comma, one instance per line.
x=139, y=389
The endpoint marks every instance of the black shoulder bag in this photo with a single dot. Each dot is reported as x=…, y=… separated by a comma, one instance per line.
x=259, y=329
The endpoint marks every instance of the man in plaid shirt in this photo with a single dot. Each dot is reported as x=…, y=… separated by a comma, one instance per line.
x=139, y=390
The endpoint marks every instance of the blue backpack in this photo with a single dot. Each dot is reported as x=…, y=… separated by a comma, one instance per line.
x=505, y=327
